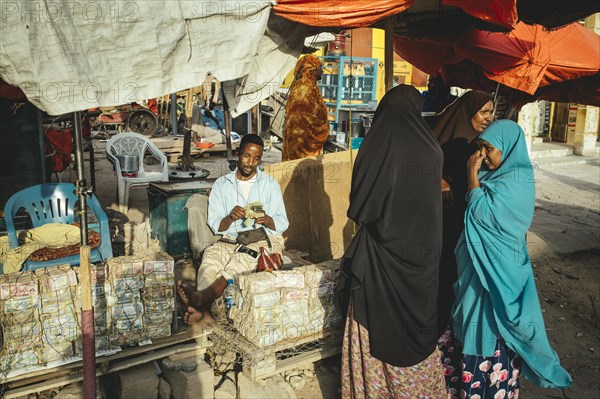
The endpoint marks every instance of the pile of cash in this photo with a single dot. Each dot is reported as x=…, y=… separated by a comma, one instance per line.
x=158, y=295
x=59, y=314
x=125, y=281
x=141, y=301
x=40, y=312
x=20, y=306
x=286, y=304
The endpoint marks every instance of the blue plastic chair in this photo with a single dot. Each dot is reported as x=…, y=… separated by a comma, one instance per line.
x=55, y=203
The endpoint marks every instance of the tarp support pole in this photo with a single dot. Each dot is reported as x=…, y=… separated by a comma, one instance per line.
x=551, y=119
x=255, y=112
x=87, y=310
x=227, y=125
x=389, y=53
x=40, y=124
x=189, y=96
x=174, y=114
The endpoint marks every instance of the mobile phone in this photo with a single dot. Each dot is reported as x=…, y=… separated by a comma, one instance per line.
x=244, y=249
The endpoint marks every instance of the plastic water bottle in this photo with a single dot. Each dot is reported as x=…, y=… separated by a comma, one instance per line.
x=229, y=295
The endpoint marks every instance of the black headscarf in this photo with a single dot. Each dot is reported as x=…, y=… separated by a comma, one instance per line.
x=390, y=270
x=455, y=121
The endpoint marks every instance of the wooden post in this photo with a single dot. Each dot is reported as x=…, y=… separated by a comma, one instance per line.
x=189, y=96
x=551, y=122
x=389, y=53
x=255, y=128
x=167, y=104
x=174, y=114
x=227, y=126
x=160, y=103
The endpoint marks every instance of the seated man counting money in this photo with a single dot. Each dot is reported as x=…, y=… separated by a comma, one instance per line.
x=240, y=201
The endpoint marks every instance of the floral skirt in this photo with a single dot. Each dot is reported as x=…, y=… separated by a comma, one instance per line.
x=479, y=377
x=364, y=376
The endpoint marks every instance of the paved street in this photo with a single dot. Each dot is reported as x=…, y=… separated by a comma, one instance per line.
x=567, y=212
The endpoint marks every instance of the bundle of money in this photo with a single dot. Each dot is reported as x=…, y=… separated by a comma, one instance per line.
x=61, y=327
x=160, y=262
x=20, y=305
x=286, y=304
x=254, y=210
x=158, y=295
x=127, y=318
x=124, y=315
x=59, y=314
x=56, y=278
x=321, y=280
x=16, y=285
x=124, y=266
x=14, y=360
x=56, y=352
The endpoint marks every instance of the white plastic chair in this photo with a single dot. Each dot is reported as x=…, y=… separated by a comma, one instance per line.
x=130, y=143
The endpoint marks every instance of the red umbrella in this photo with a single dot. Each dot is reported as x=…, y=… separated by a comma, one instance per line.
x=529, y=56
x=339, y=13
x=496, y=12
x=554, y=13
x=584, y=90
x=429, y=54
x=493, y=14
x=527, y=59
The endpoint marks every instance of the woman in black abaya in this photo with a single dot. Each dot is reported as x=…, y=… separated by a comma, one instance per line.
x=388, y=288
x=460, y=123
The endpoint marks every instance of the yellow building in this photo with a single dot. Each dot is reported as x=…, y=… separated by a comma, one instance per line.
x=370, y=43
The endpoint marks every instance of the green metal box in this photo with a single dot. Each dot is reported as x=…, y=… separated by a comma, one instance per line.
x=168, y=216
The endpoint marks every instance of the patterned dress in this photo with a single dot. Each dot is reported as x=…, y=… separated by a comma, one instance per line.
x=478, y=377
x=306, y=125
x=364, y=376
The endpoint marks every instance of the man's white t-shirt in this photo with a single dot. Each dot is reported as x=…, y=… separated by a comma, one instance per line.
x=244, y=187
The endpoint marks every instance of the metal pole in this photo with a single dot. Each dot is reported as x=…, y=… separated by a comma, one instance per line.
x=40, y=123
x=227, y=126
x=87, y=309
x=259, y=120
x=174, y=114
x=389, y=53
x=496, y=100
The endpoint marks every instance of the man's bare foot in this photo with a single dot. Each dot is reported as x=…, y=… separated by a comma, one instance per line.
x=188, y=297
x=194, y=316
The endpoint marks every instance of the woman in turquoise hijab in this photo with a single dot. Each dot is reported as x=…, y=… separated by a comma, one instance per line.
x=497, y=314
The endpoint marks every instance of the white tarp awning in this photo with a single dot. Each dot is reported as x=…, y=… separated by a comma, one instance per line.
x=319, y=40
x=69, y=56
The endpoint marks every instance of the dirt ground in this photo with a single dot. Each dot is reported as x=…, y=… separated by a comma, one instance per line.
x=569, y=290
